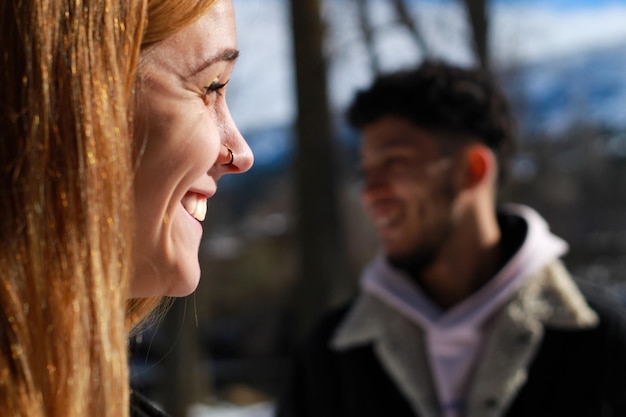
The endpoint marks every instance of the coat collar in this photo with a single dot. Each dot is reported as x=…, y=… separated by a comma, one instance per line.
x=548, y=299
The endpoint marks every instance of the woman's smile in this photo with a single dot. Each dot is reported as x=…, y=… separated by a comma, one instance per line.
x=186, y=141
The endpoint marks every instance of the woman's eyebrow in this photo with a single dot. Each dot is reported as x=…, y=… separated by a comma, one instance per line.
x=225, y=55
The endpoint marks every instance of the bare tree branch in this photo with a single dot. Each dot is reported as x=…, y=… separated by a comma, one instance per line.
x=368, y=35
x=404, y=17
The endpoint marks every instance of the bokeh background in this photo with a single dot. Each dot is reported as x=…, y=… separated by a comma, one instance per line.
x=287, y=240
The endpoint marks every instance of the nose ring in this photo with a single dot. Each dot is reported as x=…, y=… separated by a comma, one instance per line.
x=231, y=157
x=227, y=159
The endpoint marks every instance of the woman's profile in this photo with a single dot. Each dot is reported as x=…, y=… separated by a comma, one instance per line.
x=114, y=132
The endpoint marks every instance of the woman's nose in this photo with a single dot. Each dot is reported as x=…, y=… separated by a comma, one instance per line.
x=242, y=156
x=235, y=153
x=237, y=159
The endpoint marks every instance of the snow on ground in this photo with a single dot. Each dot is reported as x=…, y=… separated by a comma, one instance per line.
x=265, y=409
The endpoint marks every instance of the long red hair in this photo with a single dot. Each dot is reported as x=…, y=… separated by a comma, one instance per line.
x=67, y=70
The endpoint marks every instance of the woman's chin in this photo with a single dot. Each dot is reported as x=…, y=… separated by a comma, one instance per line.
x=177, y=282
x=183, y=287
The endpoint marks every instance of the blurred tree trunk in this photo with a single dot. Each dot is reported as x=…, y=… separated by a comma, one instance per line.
x=323, y=260
x=479, y=24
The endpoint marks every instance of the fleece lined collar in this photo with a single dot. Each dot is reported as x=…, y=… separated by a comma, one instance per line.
x=454, y=338
x=394, y=287
x=549, y=298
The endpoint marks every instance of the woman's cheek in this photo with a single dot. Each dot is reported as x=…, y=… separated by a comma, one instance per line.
x=209, y=141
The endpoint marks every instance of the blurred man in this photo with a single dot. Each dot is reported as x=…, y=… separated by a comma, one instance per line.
x=467, y=310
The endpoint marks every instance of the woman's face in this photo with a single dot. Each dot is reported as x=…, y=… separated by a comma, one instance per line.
x=183, y=134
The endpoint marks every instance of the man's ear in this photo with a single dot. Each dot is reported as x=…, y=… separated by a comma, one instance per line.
x=480, y=165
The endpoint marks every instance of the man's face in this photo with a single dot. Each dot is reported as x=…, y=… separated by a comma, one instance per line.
x=408, y=190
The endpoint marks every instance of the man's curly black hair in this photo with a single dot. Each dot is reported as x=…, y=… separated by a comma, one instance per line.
x=442, y=98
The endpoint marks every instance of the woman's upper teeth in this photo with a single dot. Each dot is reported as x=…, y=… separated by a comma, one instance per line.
x=196, y=205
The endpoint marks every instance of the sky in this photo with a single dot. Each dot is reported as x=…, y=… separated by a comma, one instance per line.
x=564, y=4
x=524, y=32
x=561, y=4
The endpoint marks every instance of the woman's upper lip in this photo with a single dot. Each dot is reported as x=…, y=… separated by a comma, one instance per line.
x=203, y=192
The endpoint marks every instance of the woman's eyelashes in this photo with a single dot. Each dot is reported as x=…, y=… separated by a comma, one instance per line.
x=215, y=87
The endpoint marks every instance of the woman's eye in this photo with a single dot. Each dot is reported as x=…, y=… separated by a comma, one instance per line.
x=214, y=87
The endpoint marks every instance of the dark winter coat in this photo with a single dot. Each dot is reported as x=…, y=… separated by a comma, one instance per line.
x=557, y=350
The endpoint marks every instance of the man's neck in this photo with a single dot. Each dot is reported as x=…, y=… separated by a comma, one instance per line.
x=463, y=266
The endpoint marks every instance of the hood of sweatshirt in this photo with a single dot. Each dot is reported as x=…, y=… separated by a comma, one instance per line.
x=395, y=288
x=454, y=338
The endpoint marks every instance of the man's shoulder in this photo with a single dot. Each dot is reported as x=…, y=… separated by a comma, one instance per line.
x=606, y=339
x=610, y=310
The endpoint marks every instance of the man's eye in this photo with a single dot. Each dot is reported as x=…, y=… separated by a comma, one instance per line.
x=215, y=87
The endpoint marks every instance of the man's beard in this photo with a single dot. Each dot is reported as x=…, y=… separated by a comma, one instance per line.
x=414, y=262
x=423, y=254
